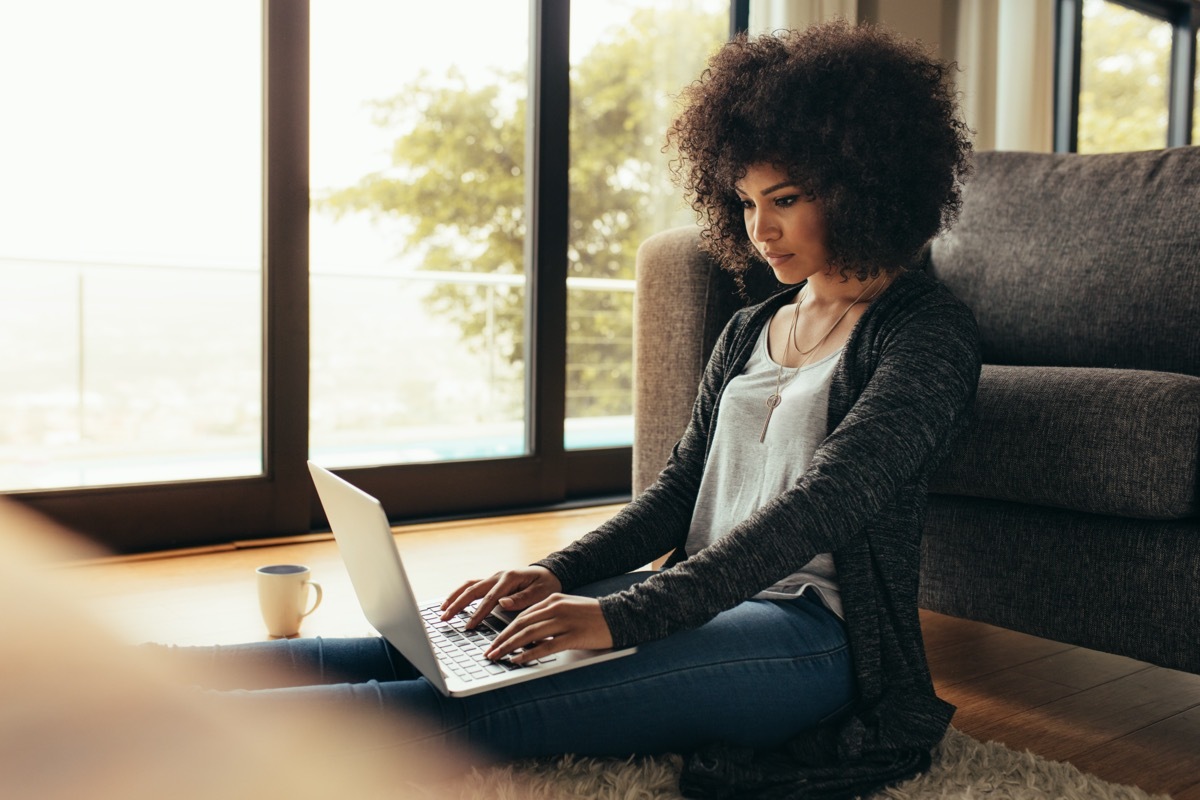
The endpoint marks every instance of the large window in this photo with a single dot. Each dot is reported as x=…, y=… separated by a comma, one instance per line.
x=1126, y=75
x=235, y=237
x=627, y=60
x=418, y=229
x=417, y=232
x=130, y=195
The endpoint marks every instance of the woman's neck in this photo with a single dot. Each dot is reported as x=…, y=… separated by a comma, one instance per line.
x=829, y=290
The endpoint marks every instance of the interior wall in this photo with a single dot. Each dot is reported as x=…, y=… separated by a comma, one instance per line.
x=930, y=21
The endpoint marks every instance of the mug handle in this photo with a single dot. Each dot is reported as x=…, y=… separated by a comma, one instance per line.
x=317, y=602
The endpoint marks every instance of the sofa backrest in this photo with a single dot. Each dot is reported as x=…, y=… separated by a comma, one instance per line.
x=1081, y=260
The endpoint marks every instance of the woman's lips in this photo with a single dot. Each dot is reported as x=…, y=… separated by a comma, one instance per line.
x=776, y=259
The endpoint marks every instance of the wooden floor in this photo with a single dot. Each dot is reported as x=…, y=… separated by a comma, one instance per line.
x=1123, y=720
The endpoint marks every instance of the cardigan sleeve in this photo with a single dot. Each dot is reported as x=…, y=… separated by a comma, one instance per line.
x=657, y=520
x=910, y=407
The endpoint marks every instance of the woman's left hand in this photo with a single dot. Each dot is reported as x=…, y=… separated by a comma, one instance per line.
x=560, y=622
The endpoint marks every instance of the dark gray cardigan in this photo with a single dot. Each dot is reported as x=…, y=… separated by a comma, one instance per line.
x=902, y=390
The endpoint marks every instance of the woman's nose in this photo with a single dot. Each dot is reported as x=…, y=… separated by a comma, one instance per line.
x=766, y=228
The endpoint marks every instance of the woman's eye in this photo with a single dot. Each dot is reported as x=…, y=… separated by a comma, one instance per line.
x=747, y=205
x=784, y=202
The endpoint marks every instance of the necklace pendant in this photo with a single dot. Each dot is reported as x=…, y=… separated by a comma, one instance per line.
x=772, y=402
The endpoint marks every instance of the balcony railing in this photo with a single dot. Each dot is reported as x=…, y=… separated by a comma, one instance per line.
x=134, y=373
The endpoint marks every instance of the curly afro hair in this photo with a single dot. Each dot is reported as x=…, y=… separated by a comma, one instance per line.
x=863, y=121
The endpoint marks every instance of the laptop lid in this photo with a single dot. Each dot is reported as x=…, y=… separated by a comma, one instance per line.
x=364, y=538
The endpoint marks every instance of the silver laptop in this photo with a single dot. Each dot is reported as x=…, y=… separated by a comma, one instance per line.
x=446, y=653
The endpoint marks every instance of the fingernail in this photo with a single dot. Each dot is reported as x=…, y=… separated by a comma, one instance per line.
x=506, y=601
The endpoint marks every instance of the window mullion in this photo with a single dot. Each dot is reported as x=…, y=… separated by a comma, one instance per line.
x=1183, y=75
x=285, y=273
x=739, y=17
x=546, y=238
x=1068, y=47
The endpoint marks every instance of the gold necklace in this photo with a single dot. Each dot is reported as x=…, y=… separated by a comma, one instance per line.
x=776, y=397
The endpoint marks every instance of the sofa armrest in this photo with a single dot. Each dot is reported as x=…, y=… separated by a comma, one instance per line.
x=683, y=300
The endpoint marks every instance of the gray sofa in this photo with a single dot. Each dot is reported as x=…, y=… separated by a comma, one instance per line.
x=1070, y=508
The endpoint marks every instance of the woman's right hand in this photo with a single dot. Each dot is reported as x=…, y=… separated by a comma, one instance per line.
x=513, y=590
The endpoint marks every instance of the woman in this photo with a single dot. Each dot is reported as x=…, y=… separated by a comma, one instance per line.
x=781, y=644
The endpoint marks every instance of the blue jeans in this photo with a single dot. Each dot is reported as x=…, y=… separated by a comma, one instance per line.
x=755, y=675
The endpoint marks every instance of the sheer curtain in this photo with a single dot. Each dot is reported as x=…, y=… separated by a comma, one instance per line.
x=1006, y=53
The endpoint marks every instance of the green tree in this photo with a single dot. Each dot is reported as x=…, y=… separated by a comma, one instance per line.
x=457, y=180
x=1123, y=80
x=620, y=186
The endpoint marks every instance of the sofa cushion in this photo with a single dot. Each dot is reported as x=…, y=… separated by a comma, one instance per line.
x=1104, y=441
x=1081, y=260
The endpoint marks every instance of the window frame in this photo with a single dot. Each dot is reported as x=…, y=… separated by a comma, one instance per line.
x=1184, y=18
x=281, y=502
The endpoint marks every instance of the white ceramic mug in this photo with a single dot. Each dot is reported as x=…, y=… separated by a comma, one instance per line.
x=283, y=591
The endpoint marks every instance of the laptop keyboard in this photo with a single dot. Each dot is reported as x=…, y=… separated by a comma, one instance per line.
x=460, y=651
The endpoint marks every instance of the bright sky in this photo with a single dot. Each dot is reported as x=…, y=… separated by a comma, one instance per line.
x=122, y=121
x=131, y=134
x=131, y=128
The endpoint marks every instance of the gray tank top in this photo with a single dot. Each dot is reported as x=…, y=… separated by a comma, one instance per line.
x=743, y=474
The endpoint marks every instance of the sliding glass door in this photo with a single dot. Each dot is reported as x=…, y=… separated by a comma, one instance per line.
x=628, y=61
x=418, y=231
x=1125, y=75
x=394, y=238
x=130, y=243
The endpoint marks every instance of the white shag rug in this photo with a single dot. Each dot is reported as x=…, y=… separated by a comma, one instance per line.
x=963, y=769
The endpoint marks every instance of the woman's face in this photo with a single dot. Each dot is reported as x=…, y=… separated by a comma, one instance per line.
x=784, y=225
